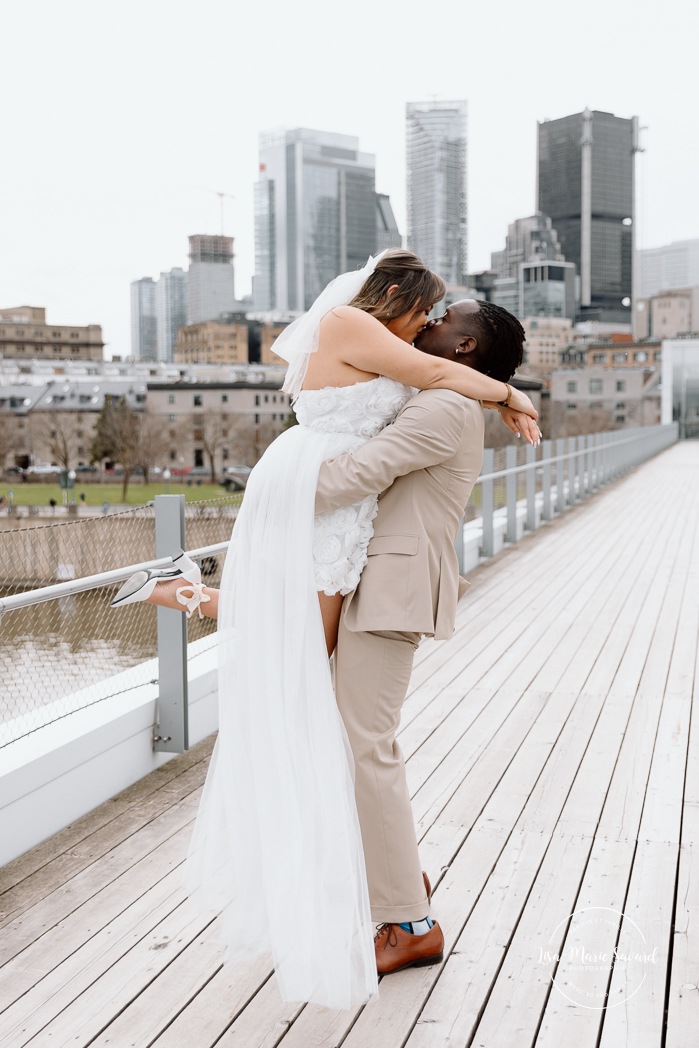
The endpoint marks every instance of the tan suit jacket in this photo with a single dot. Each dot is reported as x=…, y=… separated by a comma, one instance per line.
x=425, y=465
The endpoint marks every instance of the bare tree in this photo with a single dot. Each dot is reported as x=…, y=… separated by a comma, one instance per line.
x=117, y=438
x=151, y=443
x=213, y=432
x=8, y=438
x=60, y=433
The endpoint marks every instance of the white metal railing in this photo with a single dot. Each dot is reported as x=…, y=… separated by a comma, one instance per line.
x=567, y=470
x=556, y=475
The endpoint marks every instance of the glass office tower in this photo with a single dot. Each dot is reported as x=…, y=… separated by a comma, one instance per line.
x=585, y=184
x=315, y=215
x=436, y=173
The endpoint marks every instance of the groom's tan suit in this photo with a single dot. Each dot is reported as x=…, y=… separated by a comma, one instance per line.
x=425, y=464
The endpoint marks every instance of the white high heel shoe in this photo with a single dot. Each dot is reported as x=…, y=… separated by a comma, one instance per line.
x=141, y=585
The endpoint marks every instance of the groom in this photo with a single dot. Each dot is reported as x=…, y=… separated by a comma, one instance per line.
x=425, y=464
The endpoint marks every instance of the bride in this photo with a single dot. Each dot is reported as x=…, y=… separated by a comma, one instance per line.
x=276, y=849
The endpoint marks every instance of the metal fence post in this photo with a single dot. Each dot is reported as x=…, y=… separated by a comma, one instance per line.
x=172, y=728
x=511, y=494
x=572, y=463
x=488, y=504
x=582, y=486
x=531, y=488
x=546, y=509
x=560, y=475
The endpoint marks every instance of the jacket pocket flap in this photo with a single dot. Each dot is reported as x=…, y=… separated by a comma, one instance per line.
x=406, y=544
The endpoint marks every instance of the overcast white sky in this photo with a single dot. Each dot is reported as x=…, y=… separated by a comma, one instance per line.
x=117, y=117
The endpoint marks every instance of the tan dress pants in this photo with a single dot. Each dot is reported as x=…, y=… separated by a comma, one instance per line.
x=372, y=672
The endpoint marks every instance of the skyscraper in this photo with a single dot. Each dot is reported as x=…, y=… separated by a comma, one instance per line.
x=528, y=239
x=437, y=201
x=143, y=319
x=171, y=309
x=211, y=280
x=585, y=184
x=315, y=215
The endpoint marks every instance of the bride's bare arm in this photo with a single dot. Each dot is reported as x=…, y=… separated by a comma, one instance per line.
x=358, y=339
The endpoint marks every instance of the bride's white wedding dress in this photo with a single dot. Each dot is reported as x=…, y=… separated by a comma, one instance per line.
x=277, y=848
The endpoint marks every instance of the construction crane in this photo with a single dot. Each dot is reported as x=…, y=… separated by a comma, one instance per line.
x=221, y=197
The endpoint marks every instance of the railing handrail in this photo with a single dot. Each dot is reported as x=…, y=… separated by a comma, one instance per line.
x=568, y=455
x=104, y=578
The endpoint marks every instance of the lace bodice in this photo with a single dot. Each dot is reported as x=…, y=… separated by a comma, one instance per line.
x=347, y=416
x=362, y=409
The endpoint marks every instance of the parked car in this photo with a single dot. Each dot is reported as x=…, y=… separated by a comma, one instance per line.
x=43, y=469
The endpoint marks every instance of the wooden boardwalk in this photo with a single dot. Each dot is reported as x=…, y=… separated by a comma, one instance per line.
x=554, y=767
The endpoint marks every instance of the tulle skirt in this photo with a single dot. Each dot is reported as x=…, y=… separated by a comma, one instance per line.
x=277, y=848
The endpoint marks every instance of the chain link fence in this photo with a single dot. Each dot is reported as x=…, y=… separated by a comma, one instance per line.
x=65, y=654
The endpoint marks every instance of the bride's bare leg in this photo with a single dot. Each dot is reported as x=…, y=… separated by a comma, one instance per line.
x=330, y=608
x=165, y=596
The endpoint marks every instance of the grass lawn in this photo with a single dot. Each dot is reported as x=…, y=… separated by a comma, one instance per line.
x=97, y=494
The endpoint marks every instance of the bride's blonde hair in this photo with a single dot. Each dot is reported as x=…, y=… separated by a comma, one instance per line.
x=417, y=287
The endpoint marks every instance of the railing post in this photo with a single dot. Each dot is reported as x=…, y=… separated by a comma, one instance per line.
x=531, y=487
x=511, y=494
x=488, y=504
x=580, y=459
x=172, y=728
x=547, y=509
x=560, y=475
x=572, y=463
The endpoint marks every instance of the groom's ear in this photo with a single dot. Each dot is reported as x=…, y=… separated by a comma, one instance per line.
x=468, y=344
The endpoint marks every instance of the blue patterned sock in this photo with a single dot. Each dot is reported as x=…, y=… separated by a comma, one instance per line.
x=418, y=927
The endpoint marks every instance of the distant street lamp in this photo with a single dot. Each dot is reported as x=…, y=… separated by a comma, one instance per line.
x=67, y=483
x=166, y=477
x=71, y=485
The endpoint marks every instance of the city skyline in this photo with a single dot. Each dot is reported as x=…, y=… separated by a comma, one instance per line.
x=92, y=199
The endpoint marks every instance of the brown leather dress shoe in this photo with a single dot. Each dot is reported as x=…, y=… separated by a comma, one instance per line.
x=428, y=886
x=397, y=949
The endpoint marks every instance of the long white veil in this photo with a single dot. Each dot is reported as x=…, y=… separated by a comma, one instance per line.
x=300, y=339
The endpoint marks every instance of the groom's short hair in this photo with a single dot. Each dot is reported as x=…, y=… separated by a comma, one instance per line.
x=500, y=339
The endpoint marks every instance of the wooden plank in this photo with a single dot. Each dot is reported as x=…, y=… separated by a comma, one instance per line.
x=473, y=977
x=217, y=1004
x=645, y=938
x=164, y=999
x=574, y=1011
x=92, y=846
x=478, y=620
x=67, y=840
x=87, y=1016
x=263, y=1023
x=539, y=645
x=683, y=1001
x=49, y=994
x=65, y=900
x=96, y=929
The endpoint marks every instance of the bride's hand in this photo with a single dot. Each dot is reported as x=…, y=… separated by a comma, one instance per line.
x=521, y=424
x=520, y=402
